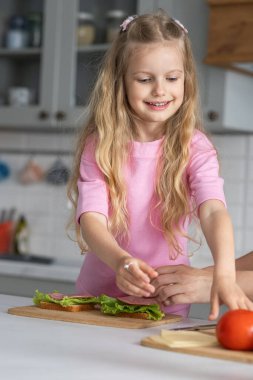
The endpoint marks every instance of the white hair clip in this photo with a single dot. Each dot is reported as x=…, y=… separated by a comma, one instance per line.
x=180, y=25
x=126, y=22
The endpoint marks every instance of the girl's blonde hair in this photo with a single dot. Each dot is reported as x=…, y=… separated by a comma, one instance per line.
x=111, y=122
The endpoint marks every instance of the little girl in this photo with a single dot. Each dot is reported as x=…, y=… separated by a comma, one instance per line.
x=143, y=169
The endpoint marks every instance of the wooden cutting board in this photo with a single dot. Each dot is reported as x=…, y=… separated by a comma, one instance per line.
x=216, y=351
x=91, y=317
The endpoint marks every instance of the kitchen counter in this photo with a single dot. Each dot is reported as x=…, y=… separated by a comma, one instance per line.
x=42, y=349
x=55, y=271
x=21, y=278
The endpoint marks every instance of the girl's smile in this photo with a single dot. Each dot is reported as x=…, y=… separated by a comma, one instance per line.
x=154, y=86
x=158, y=106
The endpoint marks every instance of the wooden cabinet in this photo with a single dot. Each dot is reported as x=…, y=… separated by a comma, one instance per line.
x=59, y=73
x=226, y=96
x=230, y=34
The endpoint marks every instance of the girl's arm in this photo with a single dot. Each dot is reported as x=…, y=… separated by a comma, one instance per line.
x=135, y=280
x=217, y=228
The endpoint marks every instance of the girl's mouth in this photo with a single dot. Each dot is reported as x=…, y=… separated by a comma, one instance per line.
x=158, y=106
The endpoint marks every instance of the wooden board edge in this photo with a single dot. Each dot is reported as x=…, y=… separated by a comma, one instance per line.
x=216, y=352
x=130, y=323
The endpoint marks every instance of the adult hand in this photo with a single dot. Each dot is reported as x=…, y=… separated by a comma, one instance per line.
x=133, y=277
x=177, y=284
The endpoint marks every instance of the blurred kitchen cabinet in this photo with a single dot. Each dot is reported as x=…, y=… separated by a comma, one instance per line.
x=79, y=64
x=230, y=34
x=229, y=90
x=226, y=96
x=58, y=74
x=33, y=69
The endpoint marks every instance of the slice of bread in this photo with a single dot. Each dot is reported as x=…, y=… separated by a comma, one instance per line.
x=133, y=315
x=72, y=308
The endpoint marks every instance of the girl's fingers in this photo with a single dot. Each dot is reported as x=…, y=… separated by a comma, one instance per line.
x=150, y=272
x=140, y=272
x=214, y=312
x=133, y=289
x=135, y=276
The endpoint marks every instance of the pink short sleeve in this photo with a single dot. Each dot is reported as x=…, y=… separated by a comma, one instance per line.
x=203, y=171
x=92, y=189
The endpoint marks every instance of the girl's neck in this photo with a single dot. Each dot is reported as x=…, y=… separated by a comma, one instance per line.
x=148, y=134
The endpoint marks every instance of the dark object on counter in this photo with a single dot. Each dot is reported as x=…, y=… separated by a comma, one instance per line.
x=21, y=236
x=58, y=174
x=33, y=259
x=4, y=170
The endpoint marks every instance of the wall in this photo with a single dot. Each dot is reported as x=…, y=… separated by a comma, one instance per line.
x=45, y=205
x=47, y=209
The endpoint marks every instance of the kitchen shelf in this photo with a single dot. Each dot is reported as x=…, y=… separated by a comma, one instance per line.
x=93, y=48
x=20, y=53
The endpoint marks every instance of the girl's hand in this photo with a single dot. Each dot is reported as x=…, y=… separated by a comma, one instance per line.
x=133, y=277
x=225, y=290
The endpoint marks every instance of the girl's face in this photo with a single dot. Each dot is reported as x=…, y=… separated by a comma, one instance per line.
x=154, y=86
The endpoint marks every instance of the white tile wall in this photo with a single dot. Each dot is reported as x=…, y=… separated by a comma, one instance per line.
x=46, y=205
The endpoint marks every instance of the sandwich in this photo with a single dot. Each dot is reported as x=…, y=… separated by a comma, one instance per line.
x=131, y=307
x=63, y=302
x=125, y=306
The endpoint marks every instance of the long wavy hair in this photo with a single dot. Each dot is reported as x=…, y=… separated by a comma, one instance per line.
x=112, y=123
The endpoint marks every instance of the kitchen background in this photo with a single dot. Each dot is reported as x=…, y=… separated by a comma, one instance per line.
x=48, y=62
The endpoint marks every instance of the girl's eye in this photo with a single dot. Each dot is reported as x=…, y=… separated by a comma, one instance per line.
x=144, y=80
x=172, y=79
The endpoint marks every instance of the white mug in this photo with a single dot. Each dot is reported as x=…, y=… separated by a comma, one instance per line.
x=19, y=96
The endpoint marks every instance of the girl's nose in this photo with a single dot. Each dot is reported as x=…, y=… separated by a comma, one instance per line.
x=158, y=89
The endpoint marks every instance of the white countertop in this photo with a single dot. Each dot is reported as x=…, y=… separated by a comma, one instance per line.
x=33, y=348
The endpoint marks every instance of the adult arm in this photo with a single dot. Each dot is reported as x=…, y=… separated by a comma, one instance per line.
x=179, y=284
x=245, y=262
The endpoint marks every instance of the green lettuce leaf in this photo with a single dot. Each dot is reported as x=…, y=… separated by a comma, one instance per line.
x=66, y=301
x=112, y=306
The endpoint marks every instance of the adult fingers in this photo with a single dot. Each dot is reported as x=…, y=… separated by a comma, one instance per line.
x=165, y=279
x=168, y=292
x=168, y=269
x=177, y=299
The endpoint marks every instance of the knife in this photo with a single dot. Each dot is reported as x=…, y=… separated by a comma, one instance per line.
x=196, y=327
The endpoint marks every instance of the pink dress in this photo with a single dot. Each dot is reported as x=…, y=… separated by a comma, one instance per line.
x=146, y=239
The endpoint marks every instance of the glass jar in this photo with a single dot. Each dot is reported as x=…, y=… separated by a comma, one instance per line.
x=114, y=18
x=34, y=29
x=17, y=36
x=85, y=29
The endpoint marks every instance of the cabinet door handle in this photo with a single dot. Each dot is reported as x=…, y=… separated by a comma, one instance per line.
x=212, y=115
x=60, y=115
x=43, y=115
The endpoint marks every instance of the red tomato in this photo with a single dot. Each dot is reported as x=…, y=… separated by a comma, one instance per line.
x=234, y=330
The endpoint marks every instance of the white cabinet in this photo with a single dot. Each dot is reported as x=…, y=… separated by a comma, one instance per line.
x=229, y=101
x=59, y=73
x=226, y=96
